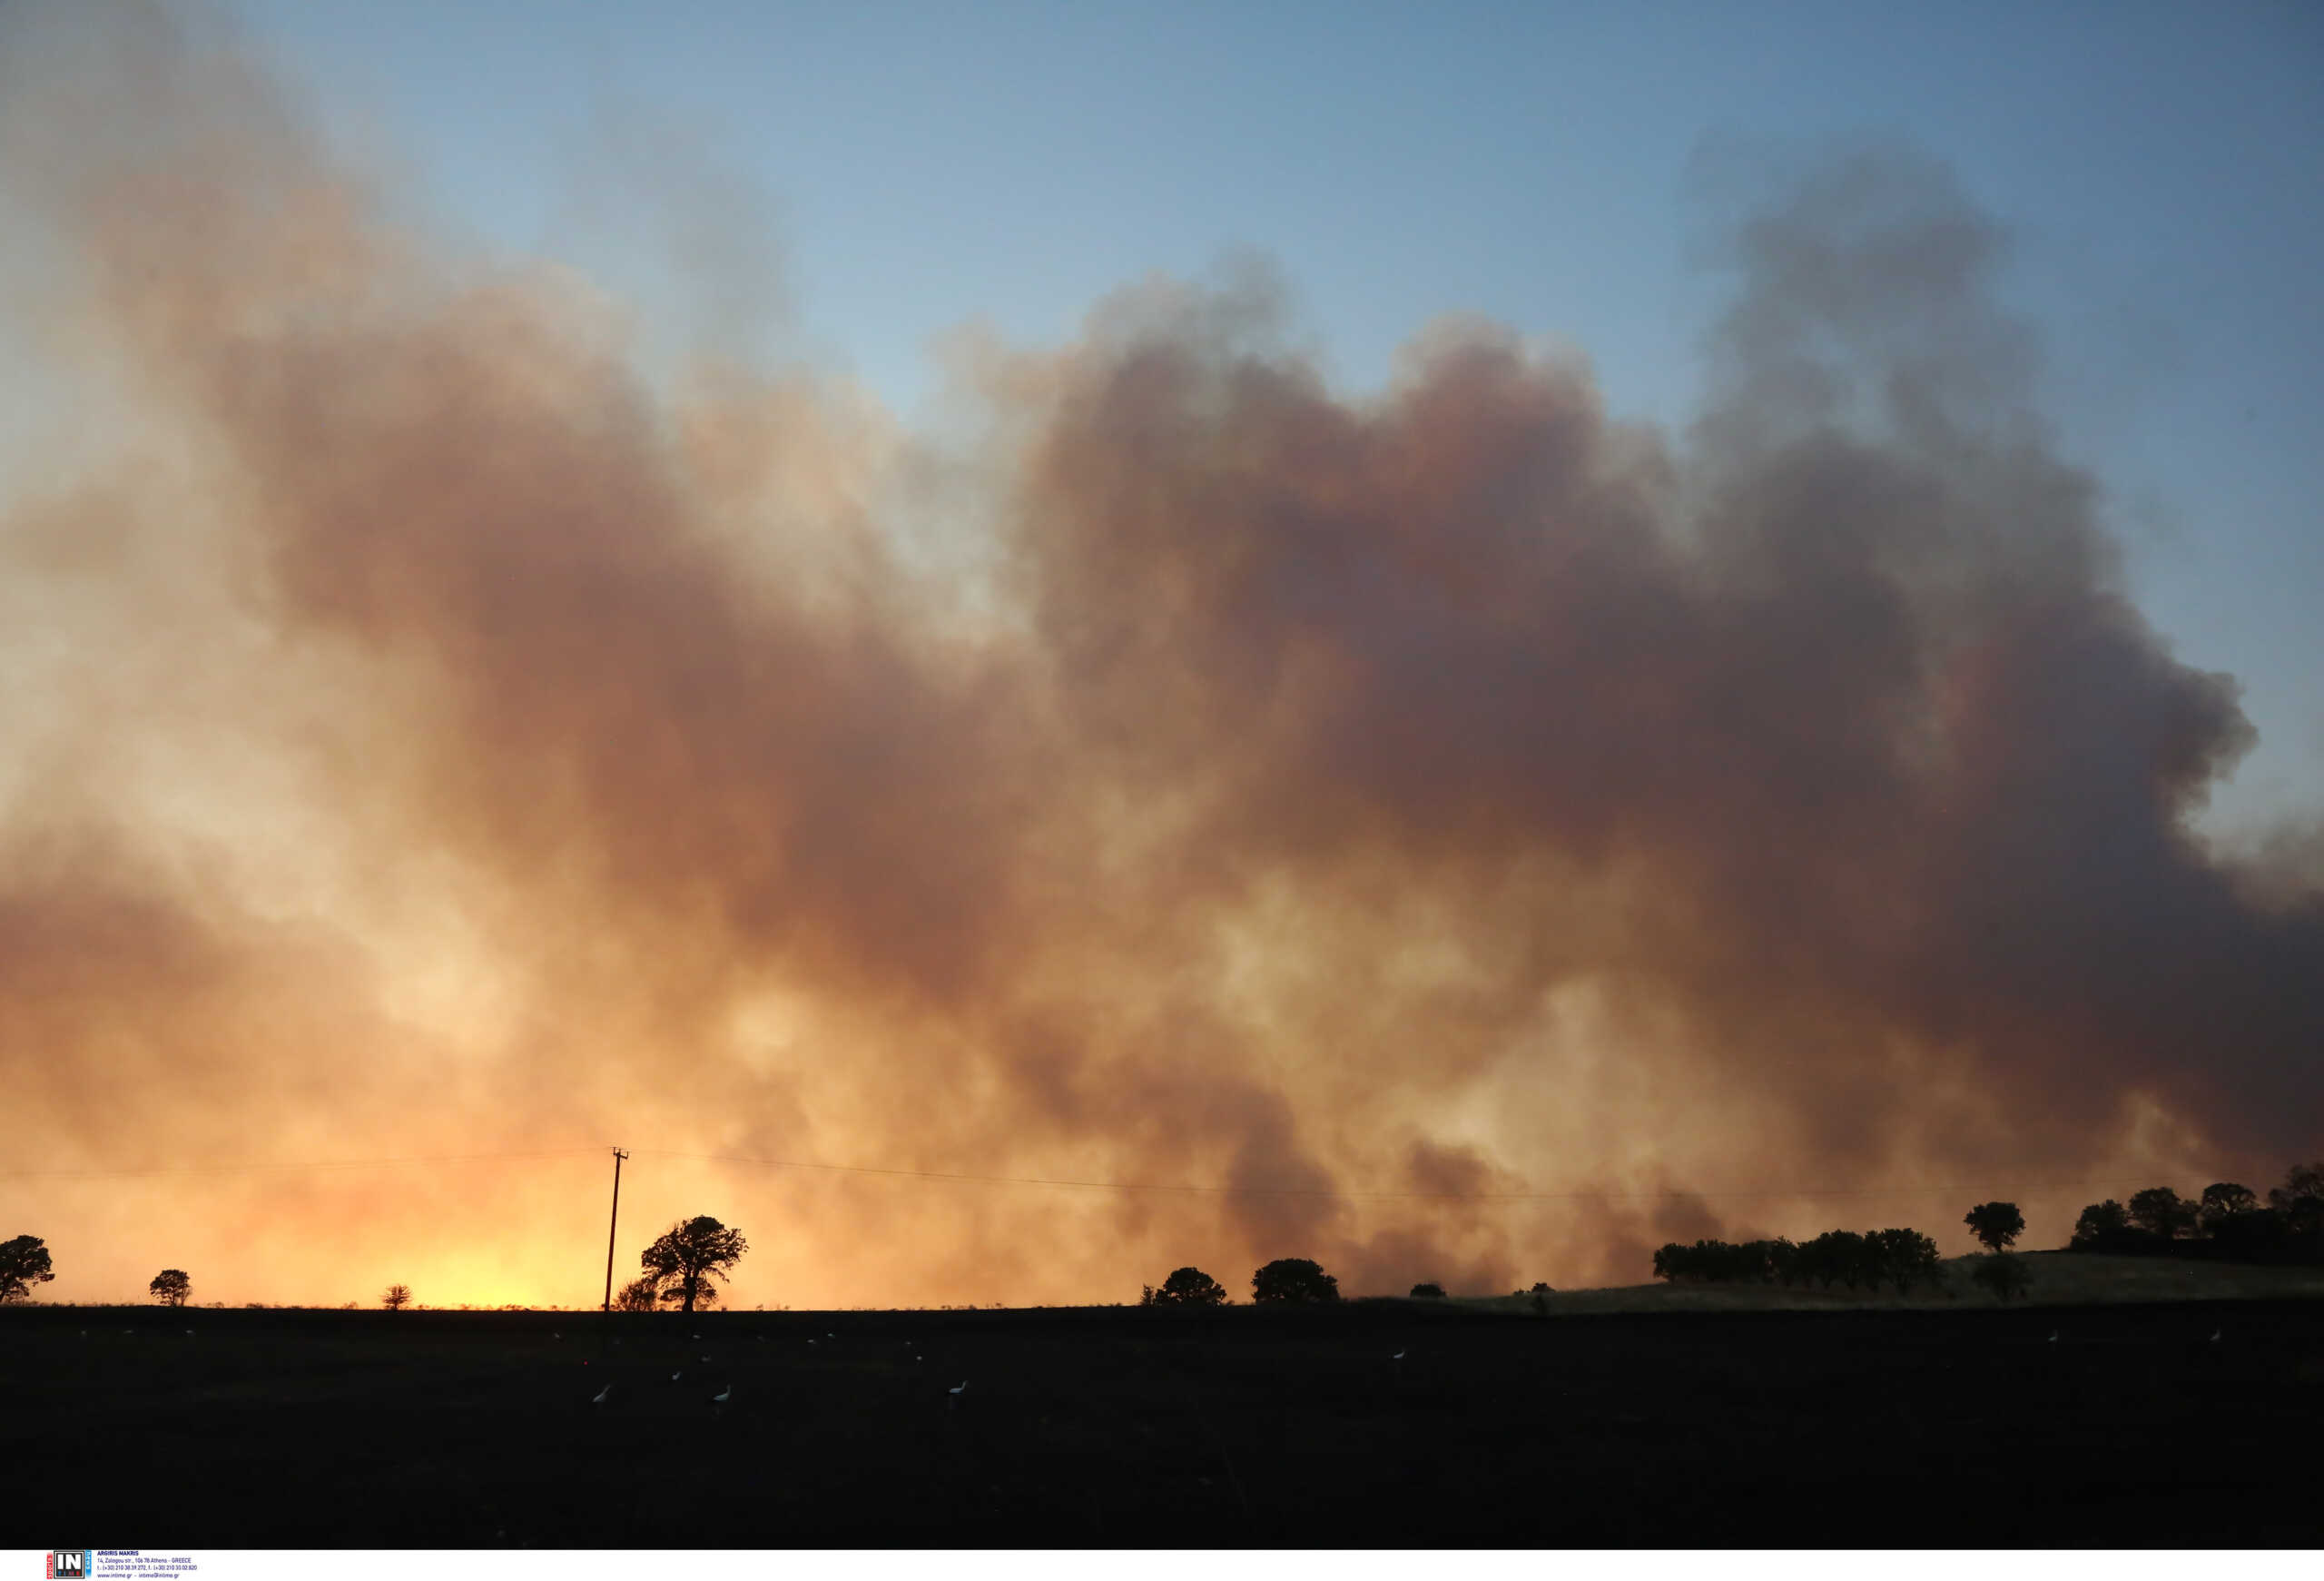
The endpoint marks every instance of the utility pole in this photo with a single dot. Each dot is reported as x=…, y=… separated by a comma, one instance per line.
x=613, y=1228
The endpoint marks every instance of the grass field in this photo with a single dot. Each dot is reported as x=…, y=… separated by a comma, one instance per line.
x=1122, y=1426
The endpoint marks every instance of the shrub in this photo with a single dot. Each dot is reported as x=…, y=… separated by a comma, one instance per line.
x=2002, y=1275
x=1429, y=1290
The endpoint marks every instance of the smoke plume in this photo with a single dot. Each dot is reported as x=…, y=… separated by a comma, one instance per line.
x=1430, y=830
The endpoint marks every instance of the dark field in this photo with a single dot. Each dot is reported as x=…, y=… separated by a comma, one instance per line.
x=1127, y=1428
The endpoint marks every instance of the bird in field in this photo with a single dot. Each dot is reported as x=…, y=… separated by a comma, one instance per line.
x=705, y=1361
x=2215, y=1334
x=2054, y=1337
x=557, y=1336
x=602, y=1396
x=676, y=1376
x=963, y=1384
x=724, y=1396
x=1399, y=1356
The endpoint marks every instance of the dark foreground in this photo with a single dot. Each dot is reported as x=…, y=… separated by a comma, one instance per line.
x=1127, y=1428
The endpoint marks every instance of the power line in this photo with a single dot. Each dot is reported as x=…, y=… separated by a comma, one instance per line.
x=470, y=1158
x=1166, y=1187
x=1379, y=1196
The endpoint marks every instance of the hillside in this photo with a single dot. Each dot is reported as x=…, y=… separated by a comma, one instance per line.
x=2059, y=1279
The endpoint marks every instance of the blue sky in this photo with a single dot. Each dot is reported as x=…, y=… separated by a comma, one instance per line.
x=893, y=172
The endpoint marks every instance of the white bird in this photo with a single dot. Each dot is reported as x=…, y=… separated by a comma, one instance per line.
x=810, y=1342
x=1399, y=1356
x=920, y=1358
x=705, y=1361
x=2053, y=1337
x=557, y=1336
x=188, y=1334
x=2215, y=1333
x=721, y=1399
x=602, y=1395
x=963, y=1384
x=676, y=1376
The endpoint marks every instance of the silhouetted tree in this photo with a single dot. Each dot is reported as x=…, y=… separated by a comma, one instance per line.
x=1838, y=1255
x=1720, y=1262
x=2003, y=1275
x=2299, y=1203
x=2302, y=1182
x=396, y=1297
x=1835, y=1256
x=2161, y=1211
x=171, y=1287
x=1996, y=1224
x=1293, y=1279
x=688, y=1256
x=1429, y=1290
x=2101, y=1224
x=2223, y=1200
x=1541, y=1287
x=1187, y=1286
x=642, y=1294
x=23, y=1263
x=1904, y=1257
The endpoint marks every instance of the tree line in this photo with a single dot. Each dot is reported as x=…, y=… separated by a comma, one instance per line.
x=2226, y=1221
x=1901, y=1257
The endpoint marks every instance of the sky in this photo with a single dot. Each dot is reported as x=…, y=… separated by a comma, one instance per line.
x=1473, y=637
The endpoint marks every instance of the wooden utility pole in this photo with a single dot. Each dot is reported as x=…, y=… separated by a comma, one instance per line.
x=613, y=1228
